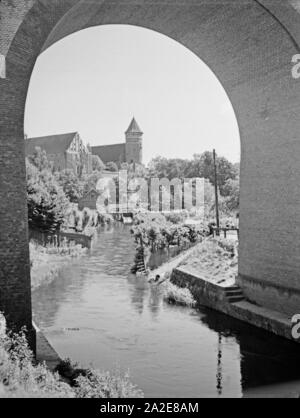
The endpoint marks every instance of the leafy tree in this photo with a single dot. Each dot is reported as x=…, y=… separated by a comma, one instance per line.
x=90, y=181
x=201, y=165
x=40, y=160
x=162, y=167
x=232, y=194
x=47, y=202
x=71, y=185
x=97, y=163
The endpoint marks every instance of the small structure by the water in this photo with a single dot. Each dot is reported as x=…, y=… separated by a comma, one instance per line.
x=127, y=218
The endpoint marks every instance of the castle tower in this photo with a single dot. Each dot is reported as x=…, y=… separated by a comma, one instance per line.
x=134, y=143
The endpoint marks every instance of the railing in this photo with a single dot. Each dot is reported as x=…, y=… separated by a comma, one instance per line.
x=56, y=239
x=217, y=231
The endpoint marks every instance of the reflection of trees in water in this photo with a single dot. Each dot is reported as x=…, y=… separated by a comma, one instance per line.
x=155, y=300
x=219, y=366
x=265, y=358
x=47, y=300
x=140, y=290
x=112, y=254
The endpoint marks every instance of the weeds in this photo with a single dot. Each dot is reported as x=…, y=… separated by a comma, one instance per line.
x=20, y=377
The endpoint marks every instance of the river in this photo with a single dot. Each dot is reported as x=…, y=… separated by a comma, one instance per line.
x=100, y=315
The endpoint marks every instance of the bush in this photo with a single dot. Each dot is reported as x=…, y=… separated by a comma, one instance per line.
x=106, y=385
x=71, y=185
x=95, y=384
x=156, y=232
x=20, y=377
x=178, y=296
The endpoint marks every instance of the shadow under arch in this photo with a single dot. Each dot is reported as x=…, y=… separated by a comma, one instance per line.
x=250, y=53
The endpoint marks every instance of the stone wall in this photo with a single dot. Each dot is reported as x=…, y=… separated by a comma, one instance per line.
x=213, y=296
x=134, y=151
x=204, y=292
x=279, y=298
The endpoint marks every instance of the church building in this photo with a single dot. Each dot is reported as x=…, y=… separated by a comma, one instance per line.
x=65, y=151
x=130, y=151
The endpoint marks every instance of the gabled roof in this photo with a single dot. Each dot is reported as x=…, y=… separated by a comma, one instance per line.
x=53, y=144
x=110, y=153
x=134, y=127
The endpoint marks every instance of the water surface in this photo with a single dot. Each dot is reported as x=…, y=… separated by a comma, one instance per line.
x=98, y=314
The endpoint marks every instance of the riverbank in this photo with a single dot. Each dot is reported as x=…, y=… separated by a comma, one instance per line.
x=209, y=273
x=47, y=262
x=99, y=314
x=206, y=276
x=216, y=259
x=22, y=377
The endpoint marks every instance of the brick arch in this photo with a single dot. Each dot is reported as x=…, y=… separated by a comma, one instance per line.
x=248, y=44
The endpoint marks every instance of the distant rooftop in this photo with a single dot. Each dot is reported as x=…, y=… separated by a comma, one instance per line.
x=133, y=127
x=52, y=144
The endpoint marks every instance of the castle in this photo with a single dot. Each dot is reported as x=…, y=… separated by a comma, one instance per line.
x=67, y=151
x=131, y=151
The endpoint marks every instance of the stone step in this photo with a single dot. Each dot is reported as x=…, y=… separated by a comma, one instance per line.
x=234, y=293
x=234, y=299
x=233, y=288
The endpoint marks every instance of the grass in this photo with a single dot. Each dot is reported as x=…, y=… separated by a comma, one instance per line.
x=46, y=262
x=178, y=296
x=214, y=258
x=21, y=377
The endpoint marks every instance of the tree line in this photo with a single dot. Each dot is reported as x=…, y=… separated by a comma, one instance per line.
x=49, y=193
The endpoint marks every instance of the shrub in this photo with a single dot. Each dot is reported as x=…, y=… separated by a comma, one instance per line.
x=20, y=377
x=106, y=385
x=177, y=295
x=157, y=232
x=71, y=184
x=96, y=384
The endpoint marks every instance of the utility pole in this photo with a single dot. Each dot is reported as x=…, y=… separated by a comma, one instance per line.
x=216, y=192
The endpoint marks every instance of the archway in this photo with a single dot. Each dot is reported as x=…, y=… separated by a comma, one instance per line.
x=249, y=46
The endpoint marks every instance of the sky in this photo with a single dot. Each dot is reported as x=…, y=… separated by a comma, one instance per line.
x=94, y=81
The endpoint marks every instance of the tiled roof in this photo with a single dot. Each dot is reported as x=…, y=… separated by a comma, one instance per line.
x=53, y=144
x=109, y=153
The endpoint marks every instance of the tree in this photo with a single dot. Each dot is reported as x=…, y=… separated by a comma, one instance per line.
x=90, y=181
x=40, y=160
x=46, y=200
x=111, y=166
x=202, y=166
x=97, y=163
x=232, y=194
x=72, y=186
x=162, y=167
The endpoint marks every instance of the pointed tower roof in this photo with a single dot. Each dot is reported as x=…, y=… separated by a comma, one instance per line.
x=133, y=127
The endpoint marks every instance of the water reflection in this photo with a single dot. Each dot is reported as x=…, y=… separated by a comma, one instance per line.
x=171, y=351
x=265, y=358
